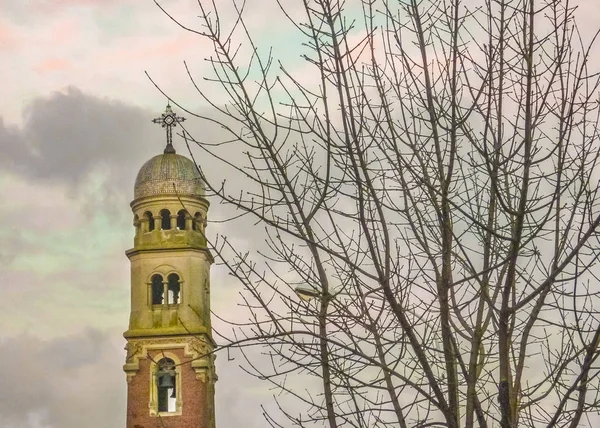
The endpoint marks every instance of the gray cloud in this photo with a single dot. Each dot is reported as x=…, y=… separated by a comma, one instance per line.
x=66, y=382
x=69, y=136
x=77, y=381
x=66, y=140
x=69, y=133
x=92, y=146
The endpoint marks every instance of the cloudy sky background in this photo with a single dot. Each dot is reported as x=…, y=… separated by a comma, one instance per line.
x=75, y=111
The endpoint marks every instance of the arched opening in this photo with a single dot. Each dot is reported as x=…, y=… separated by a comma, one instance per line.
x=181, y=220
x=157, y=290
x=165, y=219
x=198, y=221
x=166, y=385
x=150, y=219
x=173, y=289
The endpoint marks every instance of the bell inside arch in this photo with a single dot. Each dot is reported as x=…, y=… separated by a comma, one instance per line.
x=166, y=380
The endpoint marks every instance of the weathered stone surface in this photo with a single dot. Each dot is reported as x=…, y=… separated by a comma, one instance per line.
x=169, y=218
x=168, y=173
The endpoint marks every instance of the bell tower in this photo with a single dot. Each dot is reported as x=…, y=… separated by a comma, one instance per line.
x=169, y=364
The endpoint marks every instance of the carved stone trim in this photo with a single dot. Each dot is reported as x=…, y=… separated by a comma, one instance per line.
x=197, y=349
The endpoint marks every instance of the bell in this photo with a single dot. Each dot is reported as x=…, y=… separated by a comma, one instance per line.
x=165, y=380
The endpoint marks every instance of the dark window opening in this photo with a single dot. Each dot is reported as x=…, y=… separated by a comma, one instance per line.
x=181, y=220
x=165, y=216
x=150, y=218
x=173, y=287
x=166, y=384
x=157, y=290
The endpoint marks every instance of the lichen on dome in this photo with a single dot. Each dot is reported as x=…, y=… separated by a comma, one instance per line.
x=168, y=174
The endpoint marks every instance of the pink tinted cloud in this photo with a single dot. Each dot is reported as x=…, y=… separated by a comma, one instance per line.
x=64, y=32
x=60, y=37
x=8, y=37
x=51, y=65
x=56, y=5
x=142, y=51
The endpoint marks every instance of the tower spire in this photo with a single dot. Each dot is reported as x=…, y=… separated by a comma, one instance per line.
x=169, y=366
x=169, y=120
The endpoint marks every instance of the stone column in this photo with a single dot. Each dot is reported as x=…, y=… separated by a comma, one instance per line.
x=144, y=225
x=137, y=224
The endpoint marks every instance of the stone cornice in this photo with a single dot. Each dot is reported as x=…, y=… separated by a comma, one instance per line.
x=197, y=348
x=176, y=248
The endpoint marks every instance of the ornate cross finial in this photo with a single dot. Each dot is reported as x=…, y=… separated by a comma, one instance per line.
x=169, y=120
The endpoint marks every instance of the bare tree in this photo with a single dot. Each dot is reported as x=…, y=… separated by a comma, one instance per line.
x=428, y=172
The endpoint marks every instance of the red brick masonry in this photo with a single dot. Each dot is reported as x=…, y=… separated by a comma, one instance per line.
x=194, y=410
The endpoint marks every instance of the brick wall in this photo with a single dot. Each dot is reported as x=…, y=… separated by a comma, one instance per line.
x=194, y=410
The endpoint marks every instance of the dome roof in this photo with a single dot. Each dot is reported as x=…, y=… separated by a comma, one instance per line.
x=159, y=174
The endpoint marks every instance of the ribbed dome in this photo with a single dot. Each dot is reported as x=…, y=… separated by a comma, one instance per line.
x=157, y=176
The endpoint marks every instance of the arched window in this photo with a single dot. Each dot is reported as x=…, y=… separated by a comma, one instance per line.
x=148, y=216
x=157, y=290
x=166, y=385
x=165, y=216
x=173, y=287
x=198, y=221
x=181, y=220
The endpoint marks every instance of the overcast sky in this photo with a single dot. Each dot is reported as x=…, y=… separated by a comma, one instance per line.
x=75, y=127
x=75, y=112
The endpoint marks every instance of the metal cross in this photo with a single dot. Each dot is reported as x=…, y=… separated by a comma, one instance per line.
x=169, y=120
